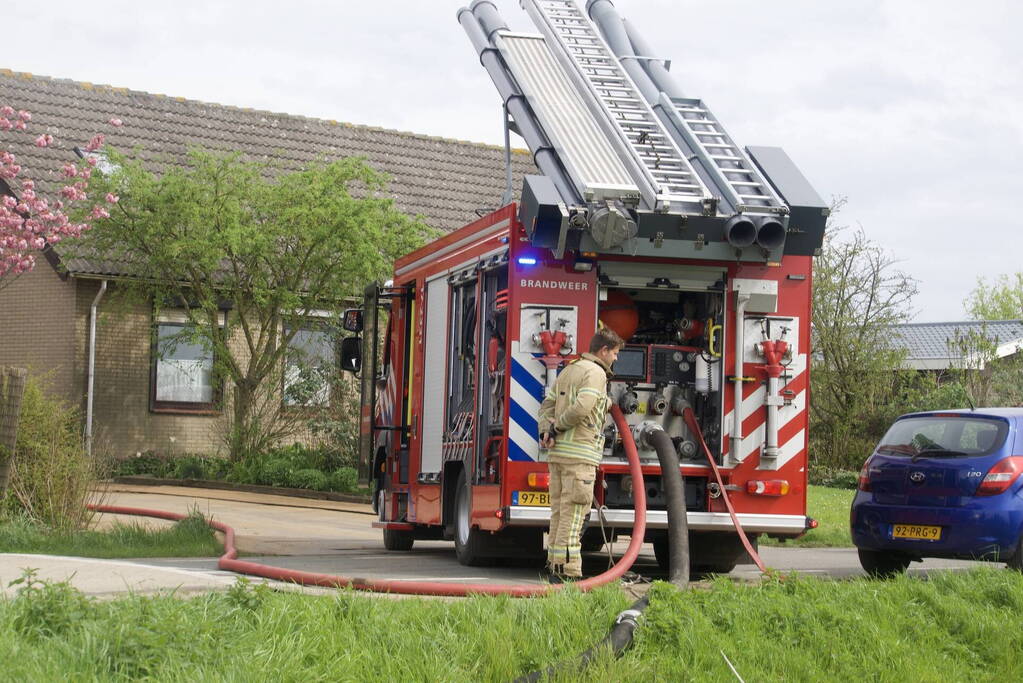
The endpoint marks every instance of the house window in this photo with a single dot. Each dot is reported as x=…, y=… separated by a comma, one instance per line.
x=310, y=363
x=182, y=370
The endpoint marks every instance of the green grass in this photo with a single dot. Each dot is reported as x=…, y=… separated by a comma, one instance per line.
x=189, y=538
x=830, y=507
x=956, y=626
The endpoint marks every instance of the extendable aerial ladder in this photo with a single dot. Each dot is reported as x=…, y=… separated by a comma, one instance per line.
x=625, y=154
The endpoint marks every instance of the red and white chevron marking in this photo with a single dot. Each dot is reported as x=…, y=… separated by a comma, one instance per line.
x=791, y=417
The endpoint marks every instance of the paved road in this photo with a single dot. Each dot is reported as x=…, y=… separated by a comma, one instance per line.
x=336, y=538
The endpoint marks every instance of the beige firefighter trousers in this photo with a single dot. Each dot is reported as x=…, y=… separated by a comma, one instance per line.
x=571, y=489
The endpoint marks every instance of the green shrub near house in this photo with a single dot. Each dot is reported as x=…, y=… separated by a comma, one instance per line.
x=295, y=466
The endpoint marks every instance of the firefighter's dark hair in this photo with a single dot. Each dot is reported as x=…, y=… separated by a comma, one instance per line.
x=605, y=337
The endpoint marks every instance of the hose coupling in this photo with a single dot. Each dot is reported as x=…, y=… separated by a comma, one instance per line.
x=628, y=615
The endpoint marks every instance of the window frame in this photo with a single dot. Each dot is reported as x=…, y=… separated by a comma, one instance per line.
x=321, y=320
x=214, y=407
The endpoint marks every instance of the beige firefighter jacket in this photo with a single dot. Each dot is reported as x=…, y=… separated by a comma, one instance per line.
x=576, y=407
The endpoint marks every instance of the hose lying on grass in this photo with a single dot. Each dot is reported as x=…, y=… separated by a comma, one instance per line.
x=229, y=562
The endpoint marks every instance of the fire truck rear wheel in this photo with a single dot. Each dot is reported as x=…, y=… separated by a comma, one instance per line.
x=393, y=538
x=398, y=540
x=662, y=552
x=469, y=542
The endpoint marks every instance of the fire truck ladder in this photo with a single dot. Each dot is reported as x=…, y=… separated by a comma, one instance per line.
x=735, y=173
x=667, y=178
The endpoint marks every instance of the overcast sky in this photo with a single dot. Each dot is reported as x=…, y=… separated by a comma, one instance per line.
x=911, y=109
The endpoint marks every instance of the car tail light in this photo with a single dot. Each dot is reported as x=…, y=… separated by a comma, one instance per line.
x=539, y=480
x=1001, y=476
x=773, y=487
x=864, y=482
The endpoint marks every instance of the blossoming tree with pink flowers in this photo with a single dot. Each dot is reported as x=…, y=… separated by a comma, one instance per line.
x=30, y=221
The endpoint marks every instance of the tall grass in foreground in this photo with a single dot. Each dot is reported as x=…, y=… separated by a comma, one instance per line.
x=953, y=627
x=191, y=537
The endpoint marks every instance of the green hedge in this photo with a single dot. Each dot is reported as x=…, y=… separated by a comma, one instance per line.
x=295, y=466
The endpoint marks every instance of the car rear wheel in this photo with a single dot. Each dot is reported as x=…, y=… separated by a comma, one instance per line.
x=882, y=564
x=1015, y=561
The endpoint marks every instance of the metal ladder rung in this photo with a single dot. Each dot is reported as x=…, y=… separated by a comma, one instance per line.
x=663, y=162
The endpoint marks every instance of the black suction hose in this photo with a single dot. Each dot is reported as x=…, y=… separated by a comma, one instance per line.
x=620, y=637
x=618, y=640
x=675, y=495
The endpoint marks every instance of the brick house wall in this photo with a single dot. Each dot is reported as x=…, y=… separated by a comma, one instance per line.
x=123, y=422
x=37, y=328
x=44, y=326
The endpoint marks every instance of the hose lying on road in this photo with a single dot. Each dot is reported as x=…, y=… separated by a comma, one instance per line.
x=229, y=562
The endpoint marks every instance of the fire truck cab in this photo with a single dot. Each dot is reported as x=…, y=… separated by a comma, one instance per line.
x=646, y=218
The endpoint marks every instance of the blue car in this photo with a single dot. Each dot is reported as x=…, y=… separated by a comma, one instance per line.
x=942, y=484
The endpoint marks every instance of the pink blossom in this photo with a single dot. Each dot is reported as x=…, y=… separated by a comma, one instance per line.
x=27, y=221
x=91, y=161
x=116, y=123
x=96, y=142
x=112, y=198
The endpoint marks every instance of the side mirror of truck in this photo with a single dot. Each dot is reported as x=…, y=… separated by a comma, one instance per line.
x=352, y=321
x=351, y=354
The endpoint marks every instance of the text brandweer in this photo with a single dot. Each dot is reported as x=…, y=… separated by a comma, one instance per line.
x=553, y=284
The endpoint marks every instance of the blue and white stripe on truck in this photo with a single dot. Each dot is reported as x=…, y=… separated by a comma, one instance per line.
x=527, y=391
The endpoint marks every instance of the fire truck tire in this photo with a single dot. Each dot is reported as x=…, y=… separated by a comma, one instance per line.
x=469, y=542
x=662, y=552
x=398, y=540
x=592, y=540
x=394, y=539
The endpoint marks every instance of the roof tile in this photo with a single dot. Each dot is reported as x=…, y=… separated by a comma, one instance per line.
x=444, y=180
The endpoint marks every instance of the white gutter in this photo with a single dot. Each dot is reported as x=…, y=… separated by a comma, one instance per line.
x=92, y=367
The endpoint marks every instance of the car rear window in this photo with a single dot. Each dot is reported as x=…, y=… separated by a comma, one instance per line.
x=944, y=436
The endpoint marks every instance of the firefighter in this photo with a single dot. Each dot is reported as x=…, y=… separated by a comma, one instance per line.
x=571, y=425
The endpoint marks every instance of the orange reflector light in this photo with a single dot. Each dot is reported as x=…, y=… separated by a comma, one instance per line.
x=539, y=480
x=772, y=487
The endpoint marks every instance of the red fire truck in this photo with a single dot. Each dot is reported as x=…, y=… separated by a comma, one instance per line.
x=647, y=218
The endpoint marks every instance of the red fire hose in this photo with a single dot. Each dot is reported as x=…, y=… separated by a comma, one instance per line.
x=694, y=427
x=229, y=562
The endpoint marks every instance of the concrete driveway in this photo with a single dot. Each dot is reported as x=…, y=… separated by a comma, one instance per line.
x=336, y=538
